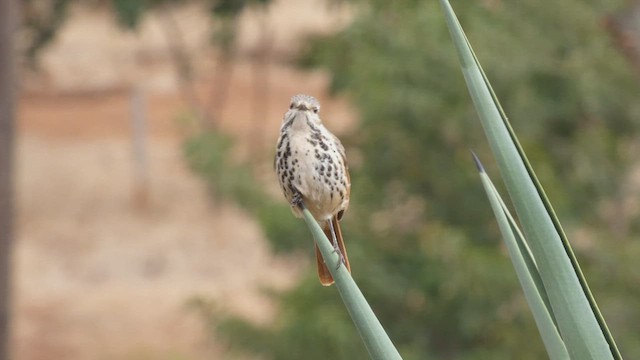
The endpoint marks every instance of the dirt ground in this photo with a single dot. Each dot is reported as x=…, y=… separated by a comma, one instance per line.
x=100, y=276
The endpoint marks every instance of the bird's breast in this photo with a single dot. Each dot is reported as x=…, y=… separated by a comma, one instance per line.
x=309, y=161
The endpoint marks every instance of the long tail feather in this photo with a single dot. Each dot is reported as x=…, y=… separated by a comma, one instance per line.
x=323, y=272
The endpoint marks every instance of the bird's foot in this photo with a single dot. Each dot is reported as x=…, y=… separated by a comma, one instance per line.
x=343, y=261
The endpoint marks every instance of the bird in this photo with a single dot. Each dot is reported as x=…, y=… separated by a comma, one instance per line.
x=312, y=169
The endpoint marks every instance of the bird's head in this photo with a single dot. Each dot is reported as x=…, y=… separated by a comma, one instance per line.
x=304, y=103
x=303, y=110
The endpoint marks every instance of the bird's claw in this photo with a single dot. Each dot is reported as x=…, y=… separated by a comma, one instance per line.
x=297, y=201
x=343, y=261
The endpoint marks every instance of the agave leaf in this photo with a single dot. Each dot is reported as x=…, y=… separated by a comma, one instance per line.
x=552, y=213
x=577, y=321
x=375, y=339
x=526, y=271
x=525, y=250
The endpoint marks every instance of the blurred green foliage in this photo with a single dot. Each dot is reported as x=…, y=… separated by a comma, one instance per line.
x=424, y=246
x=207, y=154
x=43, y=18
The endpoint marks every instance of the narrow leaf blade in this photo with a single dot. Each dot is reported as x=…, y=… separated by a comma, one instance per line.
x=556, y=222
x=576, y=320
x=375, y=338
x=526, y=273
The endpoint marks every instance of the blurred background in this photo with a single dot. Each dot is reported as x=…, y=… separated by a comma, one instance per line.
x=148, y=223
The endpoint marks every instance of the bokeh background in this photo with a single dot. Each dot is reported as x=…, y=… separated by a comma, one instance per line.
x=148, y=222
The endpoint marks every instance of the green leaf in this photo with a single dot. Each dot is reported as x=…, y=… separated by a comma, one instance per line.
x=129, y=12
x=580, y=325
x=527, y=255
x=526, y=270
x=375, y=338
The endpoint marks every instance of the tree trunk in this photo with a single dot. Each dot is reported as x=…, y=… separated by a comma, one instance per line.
x=8, y=23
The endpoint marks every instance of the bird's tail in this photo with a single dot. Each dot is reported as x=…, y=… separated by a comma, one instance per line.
x=323, y=272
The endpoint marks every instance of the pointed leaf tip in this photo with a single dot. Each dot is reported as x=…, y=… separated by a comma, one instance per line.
x=477, y=162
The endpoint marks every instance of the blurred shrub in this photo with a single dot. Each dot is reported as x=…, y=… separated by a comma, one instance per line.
x=42, y=19
x=208, y=154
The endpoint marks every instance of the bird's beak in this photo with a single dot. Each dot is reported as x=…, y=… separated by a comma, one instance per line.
x=302, y=107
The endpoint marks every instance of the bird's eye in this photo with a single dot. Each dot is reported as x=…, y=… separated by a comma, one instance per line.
x=315, y=110
x=291, y=106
